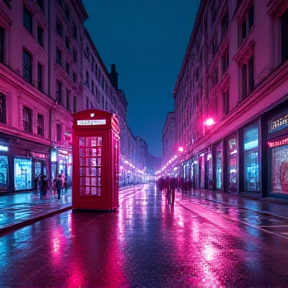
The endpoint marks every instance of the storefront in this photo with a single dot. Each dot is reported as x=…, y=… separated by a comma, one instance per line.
x=61, y=163
x=22, y=173
x=218, y=152
x=3, y=167
x=232, y=162
x=251, y=158
x=209, y=170
x=278, y=154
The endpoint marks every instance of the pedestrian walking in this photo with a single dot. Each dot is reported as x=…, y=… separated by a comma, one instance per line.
x=59, y=185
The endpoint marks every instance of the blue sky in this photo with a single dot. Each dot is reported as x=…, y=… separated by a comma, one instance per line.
x=147, y=40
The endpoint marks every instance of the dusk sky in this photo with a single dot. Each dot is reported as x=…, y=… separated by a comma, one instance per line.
x=147, y=40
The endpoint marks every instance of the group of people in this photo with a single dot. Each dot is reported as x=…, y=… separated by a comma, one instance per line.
x=42, y=185
x=168, y=185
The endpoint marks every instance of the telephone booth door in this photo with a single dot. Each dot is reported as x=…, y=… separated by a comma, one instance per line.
x=95, y=160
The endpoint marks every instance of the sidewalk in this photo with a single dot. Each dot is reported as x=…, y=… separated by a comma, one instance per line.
x=20, y=209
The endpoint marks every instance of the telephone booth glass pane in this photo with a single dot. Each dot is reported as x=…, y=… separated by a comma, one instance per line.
x=90, y=153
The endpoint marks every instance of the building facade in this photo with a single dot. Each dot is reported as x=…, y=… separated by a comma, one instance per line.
x=168, y=138
x=231, y=101
x=49, y=69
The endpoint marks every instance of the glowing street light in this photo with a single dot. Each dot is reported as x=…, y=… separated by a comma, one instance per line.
x=209, y=122
x=180, y=149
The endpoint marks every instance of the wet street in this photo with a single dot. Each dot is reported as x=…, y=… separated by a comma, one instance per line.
x=150, y=243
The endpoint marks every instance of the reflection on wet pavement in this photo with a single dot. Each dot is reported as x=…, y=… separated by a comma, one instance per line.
x=145, y=243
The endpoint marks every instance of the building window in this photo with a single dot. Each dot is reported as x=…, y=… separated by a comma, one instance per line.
x=74, y=30
x=74, y=77
x=247, y=78
x=59, y=132
x=87, y=103
x=224, y=24
x=2, y=108
x=74, y=56
x=74, y=104
x=27, y=66
x=7, y=2
x=67, y=68
x=67, y=43
x=40, y=76
x=87, y=79
x=92, y=85
x=40, y=4
x=215, y=76
x=58, y=57
x=40, y=33
x=87, y=53
x=67, y=12
x=40, y=124
x=225, y=102
x=27, y=119
x=27, y=19
x=59, y=92
x=2, y=35
x=68, y=92
x=59, y=28
x=247, y=24
x=284, y=36
x=225, y=61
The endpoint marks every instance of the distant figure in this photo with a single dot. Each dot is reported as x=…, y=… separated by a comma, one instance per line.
x=59, y=185
x=44, y=186
x=54, y=186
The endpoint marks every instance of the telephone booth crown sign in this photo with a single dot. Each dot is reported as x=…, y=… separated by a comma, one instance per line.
x=95, y=148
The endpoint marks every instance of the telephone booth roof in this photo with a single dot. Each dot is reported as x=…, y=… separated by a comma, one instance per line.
x=92, y=118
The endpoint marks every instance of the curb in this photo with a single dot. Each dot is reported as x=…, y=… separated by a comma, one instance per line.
x=29, y=221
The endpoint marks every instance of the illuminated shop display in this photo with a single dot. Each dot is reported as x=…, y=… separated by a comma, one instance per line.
x=22, y=173
x=251, y=158
x=278, y=154
x=219, y=157
x=232, y=151
x=209, y=170
x=3, y=171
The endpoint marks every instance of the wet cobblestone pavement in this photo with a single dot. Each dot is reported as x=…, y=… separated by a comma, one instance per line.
x=148, y=243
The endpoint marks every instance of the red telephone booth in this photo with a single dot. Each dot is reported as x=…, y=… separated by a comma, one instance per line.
x=95, y=148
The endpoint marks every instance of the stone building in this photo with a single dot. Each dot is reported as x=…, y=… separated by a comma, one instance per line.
x=231, y=103
x=49, y=69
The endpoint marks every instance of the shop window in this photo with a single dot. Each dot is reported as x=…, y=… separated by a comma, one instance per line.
x=284, y=36
x=58, y=57
x=58, y=132
x=40, y=33
x=27, y=19
x=218, y=162
x=232, y=165
x=40, y=76
x=27, y=119
x=40, y=124
x=251, y=158
x=3, y=171
x=22, y=174
x=2, y=43
x=2, y=108
x=246, y=24
x=59, y=92
x=27, y=66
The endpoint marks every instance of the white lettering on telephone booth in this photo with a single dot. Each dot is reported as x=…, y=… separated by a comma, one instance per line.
x=91, y=122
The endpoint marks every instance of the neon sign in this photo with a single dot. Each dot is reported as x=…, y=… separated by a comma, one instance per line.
x=91, y=122
x=278, y=143
x=279, y=123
